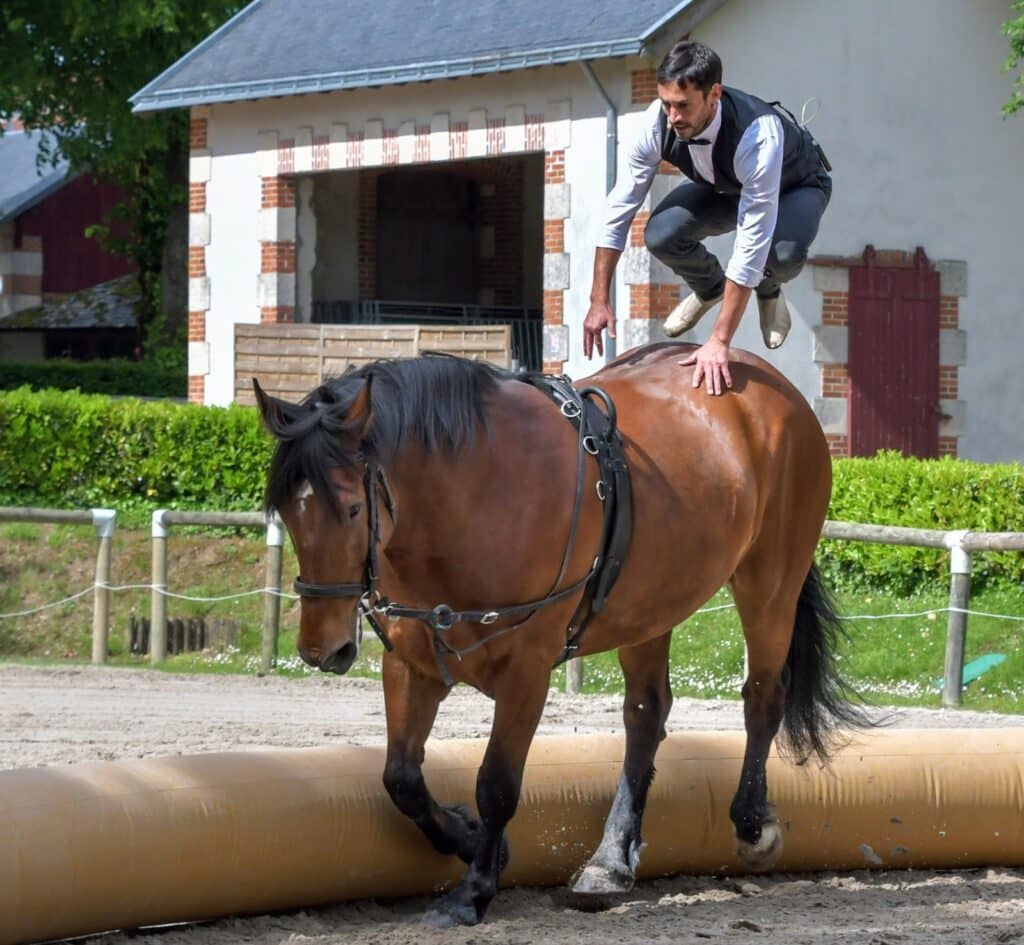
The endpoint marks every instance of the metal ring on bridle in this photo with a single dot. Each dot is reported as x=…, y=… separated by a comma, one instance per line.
x=590, y=445
x=570, y=409
x=441, y=617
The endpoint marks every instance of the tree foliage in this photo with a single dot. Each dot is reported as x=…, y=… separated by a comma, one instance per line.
x=1014, y=30
x=68, y=69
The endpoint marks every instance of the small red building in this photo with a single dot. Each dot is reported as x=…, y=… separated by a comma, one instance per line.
x=45, y=256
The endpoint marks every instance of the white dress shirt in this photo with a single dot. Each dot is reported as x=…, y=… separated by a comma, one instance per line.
x=758, y=168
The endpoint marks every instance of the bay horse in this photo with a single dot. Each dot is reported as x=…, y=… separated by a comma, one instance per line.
x=451, y=502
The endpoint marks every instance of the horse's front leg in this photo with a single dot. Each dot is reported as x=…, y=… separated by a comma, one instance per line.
x=612, y=868
x=411, y=702
x=519, y=703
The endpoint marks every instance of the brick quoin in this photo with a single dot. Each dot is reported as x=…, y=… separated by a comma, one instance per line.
x=554, y=167
x=835, y=382
x=948, y=446
x=837, y=444
x=554, y=306
x=275, y=314
x=277, y=192
x=196, y=389
x=949, y=382
x=637, y=227
x=22, y=284
x=835, y=309
x=197, y=326
x=949, y=312
x=197, y=198
x=554, y=236
x=197, y=261
x=553, y=367
x=197, y=134
x=277, y=257
x=644, y=86
x=652, y=301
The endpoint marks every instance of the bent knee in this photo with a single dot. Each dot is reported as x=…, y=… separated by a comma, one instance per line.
x=790, y=257
x=670, y=229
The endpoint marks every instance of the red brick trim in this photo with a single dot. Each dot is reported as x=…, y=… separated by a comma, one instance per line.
x=197, y=326
x=277, y=192
x=554, y=167
x=554, y=306
x=197, y=389
x=21, y=284
x=421, y=144
x=196, y=261
x=553, y=367
x=458, y=140
x=197, y=134
x=949, y=446
x=495, y=135
x=644, y=84
x=277, y=257
x=274, y=314
x=838, y=444
x=534, y=138
x=197, y=198
x=835, y=308
x=321, y=152
x=835, y=381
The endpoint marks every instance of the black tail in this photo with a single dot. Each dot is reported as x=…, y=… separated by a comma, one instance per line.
x=818, y=702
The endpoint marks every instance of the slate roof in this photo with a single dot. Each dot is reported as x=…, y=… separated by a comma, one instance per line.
x=22, y=184
x=108, y=305
x=289, y=47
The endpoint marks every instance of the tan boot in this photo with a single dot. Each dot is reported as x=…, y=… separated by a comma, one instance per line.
x=688, y=312
x=775, y=320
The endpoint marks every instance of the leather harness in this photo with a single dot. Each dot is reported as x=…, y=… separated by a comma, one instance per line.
x=598, y=436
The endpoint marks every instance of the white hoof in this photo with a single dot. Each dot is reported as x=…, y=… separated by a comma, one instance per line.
x=764, y=854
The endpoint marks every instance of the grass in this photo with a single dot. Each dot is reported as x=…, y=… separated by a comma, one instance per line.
x=889, y=660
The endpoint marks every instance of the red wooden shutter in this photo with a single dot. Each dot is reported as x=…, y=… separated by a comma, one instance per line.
x=893, y=360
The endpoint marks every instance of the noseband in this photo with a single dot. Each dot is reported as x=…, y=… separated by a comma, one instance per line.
x=367, y=592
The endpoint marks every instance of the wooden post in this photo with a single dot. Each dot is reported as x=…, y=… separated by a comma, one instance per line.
x=956, y=634
x=574, y=675
x=104, y=520
x=272, y=591
x=158, y=602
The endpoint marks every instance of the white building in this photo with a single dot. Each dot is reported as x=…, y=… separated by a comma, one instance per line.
x=455, y=153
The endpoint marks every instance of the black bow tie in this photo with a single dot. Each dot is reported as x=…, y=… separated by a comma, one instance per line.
x=698, y=141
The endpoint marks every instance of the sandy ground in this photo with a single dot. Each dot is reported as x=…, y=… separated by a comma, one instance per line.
x=60, y=716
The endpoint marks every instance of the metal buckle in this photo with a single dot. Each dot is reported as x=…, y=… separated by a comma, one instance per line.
x=602, y=490
x=590, y=445
x=490, y=617
x=570, y=409
x=441, y=617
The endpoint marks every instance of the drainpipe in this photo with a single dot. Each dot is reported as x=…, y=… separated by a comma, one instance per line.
x=611, y=142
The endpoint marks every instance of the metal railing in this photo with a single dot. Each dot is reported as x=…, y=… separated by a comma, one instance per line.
x=526, y=323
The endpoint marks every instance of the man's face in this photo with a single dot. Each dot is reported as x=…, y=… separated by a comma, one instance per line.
x=688, y=109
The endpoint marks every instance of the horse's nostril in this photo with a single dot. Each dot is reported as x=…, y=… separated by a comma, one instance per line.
x=341, y=660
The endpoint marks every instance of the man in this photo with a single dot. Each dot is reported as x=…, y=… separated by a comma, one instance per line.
x=751, y=168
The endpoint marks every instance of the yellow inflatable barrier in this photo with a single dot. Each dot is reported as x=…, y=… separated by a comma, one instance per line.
x=92, y=847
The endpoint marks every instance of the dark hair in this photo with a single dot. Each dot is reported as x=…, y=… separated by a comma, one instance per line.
x=692, y=63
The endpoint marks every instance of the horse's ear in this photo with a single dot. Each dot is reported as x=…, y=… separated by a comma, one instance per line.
x=359, y=418
x=273, y=411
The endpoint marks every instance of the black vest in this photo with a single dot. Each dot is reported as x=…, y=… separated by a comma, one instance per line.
x=801, y=161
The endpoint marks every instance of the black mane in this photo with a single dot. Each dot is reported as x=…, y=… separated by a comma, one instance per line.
x=436, y=401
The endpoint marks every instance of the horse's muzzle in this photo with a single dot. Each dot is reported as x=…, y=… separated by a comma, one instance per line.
x=338, y=662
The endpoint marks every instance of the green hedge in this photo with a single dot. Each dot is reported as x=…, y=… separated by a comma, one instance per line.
x=114, y=376
x=67, y=450
x=63, y=449
x=889, y=489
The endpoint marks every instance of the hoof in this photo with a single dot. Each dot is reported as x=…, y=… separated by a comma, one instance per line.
x=764, y=854
x=448, y=914
x=595, y=880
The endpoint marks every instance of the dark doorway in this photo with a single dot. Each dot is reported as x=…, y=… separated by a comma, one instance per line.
x=426, y=237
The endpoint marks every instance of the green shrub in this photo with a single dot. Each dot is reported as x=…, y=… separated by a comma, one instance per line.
x=66, y=450
x=147, y=378
x=63, y=449
x=947, y=494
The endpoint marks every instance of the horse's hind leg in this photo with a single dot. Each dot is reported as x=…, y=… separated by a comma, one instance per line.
x=412, y=702
x=648, y=700
x=766, y=600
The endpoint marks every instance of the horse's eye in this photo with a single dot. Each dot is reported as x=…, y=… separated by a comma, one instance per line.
x=354, y=510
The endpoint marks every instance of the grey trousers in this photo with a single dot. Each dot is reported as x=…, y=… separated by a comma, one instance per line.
x=694, y=211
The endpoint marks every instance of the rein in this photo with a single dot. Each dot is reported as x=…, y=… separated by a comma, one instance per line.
x=595, y=583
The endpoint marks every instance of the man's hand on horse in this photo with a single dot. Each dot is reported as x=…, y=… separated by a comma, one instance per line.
x=598, y=318
x=711, y=362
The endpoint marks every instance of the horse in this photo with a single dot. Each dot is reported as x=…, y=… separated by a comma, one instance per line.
x=457, y=507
